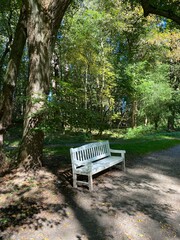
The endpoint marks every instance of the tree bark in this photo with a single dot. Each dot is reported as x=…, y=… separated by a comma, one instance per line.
x=171, y=120
x=43, y=20
x=6, y=51
x=11, y=75
x=8, y=46
x=134, y=114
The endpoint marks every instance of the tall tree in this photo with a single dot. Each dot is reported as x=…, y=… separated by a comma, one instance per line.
x=43, y=20
x=86, y=52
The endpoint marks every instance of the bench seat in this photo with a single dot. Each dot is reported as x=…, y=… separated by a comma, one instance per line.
x=98, y=166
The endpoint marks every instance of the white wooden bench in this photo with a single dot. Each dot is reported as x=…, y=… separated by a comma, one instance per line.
x=93, y=158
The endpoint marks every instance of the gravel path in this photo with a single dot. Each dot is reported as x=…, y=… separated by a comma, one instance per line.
x=143, y=203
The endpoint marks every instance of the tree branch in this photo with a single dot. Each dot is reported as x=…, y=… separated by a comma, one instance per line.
x=149, y=8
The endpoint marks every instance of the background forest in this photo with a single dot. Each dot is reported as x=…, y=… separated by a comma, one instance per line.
x=111, y=68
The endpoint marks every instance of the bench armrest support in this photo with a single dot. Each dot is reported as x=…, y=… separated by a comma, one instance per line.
x=122, y=152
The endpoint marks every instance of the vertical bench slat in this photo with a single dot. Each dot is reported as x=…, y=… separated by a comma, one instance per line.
x=96, y=149
x=94, y=152
x=100, y=150
x=85, y=154
x=104, y=149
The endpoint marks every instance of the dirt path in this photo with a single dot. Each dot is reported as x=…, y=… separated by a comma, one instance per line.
x=143, y=203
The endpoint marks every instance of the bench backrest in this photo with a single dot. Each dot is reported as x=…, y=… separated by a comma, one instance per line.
x=89, y=153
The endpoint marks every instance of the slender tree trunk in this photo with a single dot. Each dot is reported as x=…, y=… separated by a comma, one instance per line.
x=43, y=20
x=3, y=57
x=146, y=121
x=134, y=114
x=6, y=50
x=156, y=122
x=11, y=75
x=85, y=87
x=170, y=123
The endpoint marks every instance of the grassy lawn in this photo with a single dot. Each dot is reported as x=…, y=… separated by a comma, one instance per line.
x=136, y=142
x=138, y=145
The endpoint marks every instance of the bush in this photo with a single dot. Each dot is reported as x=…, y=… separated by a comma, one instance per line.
x=139, y=131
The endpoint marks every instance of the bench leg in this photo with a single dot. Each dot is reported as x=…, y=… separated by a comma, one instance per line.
x=74, y=180
x=123, y=166
x=90, y=181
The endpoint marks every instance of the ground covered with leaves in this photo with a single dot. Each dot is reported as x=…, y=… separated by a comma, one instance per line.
x=143, y=203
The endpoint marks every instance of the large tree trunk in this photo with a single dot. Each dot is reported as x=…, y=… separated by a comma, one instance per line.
x=6, y=104
x=43, y=20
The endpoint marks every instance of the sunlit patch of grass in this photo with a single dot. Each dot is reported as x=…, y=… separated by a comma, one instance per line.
x=135, y=146
x=140, y=140
x=145, y=145
x=114, y=134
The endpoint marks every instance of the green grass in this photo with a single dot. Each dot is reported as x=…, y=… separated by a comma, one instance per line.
x=133, y=146
x=138, y=141
x=144, y=146
x=149, y=142
x=57, y=150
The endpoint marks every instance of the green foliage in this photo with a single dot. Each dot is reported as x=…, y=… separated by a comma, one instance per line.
x=106, y=56
x=9, y=11
x=155, y=93
x=138, y=131
x=107, y=51
x=87, y=80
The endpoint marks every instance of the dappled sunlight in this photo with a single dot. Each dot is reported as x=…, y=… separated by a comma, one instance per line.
x=29, y=202
x=163, y=164
x=142, y=203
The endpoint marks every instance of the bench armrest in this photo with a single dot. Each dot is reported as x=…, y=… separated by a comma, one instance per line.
x=117, y=151
x=88, y=166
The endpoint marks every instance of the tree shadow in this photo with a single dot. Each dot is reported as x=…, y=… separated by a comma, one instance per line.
x=142, y=199
x=145, y=202
x=116, y=194
x=26, y=214
x=92, y=228
x=166, y=162
x=21, y=210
